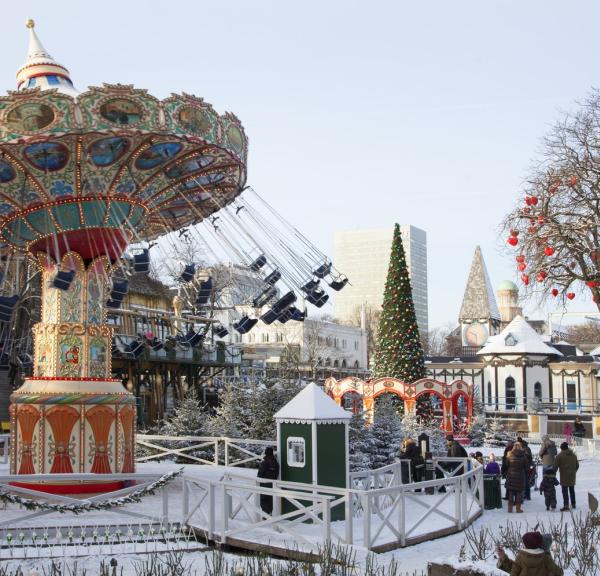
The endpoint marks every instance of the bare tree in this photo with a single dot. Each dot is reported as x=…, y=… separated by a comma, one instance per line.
x=555, y=230
x=586, y=333
x=371, y=316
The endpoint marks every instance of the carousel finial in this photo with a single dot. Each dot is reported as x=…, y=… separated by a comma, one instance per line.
x=40, y=70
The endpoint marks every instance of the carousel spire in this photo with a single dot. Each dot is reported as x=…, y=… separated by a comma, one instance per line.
x=40, y=70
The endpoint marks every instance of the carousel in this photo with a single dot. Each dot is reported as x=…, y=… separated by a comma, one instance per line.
x=91, y=183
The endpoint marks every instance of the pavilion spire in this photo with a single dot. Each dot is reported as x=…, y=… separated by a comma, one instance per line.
x=40, y=70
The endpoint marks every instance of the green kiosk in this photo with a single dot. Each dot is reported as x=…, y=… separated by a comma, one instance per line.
x=312, y=440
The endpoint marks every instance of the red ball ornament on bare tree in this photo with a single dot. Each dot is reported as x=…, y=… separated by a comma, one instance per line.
x=573, y=181
x=570, y=295
x=522, y=266
x=541, y=276
x=525, y=279
x=520, y=258
x=513, y=240
x=549, y=250
x=554, y=292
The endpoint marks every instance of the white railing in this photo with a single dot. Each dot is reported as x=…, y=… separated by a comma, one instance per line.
x=381, y=518
x=214, y=450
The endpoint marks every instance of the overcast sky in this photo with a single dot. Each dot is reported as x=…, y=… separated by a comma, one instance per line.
x=359, y=114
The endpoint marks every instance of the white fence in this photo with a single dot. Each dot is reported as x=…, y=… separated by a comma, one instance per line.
x=213, y=450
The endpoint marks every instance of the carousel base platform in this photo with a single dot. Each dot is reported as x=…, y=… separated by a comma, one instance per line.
x=67, y=489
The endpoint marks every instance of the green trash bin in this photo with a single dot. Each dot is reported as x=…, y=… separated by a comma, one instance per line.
x=492, y=491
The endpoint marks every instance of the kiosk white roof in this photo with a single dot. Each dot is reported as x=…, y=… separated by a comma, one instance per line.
x=312, y=404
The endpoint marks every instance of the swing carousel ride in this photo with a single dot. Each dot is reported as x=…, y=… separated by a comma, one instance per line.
x=92, y=186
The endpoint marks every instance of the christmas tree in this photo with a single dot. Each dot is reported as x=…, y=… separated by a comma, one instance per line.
x=400, y=353
x=188, y=419
x=359, y=443
x=386, y=433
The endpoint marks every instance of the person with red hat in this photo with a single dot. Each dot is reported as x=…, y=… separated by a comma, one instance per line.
x=533, y=559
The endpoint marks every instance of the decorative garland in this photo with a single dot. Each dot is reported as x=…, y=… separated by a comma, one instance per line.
x=132, y=498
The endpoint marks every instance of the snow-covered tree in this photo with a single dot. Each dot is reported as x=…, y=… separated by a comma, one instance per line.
x=477, y=430
x=386, y=433
x=189, y=418
x=359, y=443
x=495, y=434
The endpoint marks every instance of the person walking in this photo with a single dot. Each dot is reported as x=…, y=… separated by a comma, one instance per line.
x=529, y=473
x=455, y=450
x=268, y=469
x=567, y=464
x=504, y=467
x=516, y=473
x=547, y=451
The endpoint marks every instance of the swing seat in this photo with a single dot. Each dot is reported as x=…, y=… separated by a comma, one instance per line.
x=219, y=330
x=337, y=285
x=188, y=273
x=155, y=344
x=310, y=285
x=7, y=307
x=297, y=314
x=119, y=290
x=273, y=277
x=285, y=315
x=258, y=263
x=285, y=301
x=204, y=292
x=191, y=338
x=264, y=297
x=245, y=324
x=170, y=343
x=317, y=297
x=141, y=262
x=63, y=279
x=135, y=349
x=270, y=316
x=322, y=270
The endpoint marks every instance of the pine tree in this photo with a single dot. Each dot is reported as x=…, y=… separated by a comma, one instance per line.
x=400, y=352
x=189, y=418
x=386, y=433
x=495, y=434
x=359, y=443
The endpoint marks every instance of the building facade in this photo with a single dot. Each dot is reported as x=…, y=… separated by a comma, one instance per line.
x=364, y=256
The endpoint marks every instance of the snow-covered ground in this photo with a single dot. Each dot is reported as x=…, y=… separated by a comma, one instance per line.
x=412, y=558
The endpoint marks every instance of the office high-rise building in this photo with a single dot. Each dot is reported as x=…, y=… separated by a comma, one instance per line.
x=364, y=255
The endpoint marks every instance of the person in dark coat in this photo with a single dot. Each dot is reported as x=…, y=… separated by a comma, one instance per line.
x=529, y=473
x=579, y=428
x=455, y=450
x=269, y=469
x=567, y=464
x=410, y=451
x=548, y=487
x=516, y=473
x=504, y=466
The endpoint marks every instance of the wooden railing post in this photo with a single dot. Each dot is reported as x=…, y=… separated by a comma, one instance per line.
x=349, y=515
x=225, y=513
x=211, y=511
x=326, y=520
x=226, y=451
x=366, y=506
x=457, y=507
x=185, y=501
x=402, y=517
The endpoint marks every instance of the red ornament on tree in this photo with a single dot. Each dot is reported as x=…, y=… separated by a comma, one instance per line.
x=592, y=283
x=554, y=292
x=570, y=295
x=540, y=219
x=541, y=276
x=522, y=266
x=573, y=181
x=520, y=258
x=534, y=200
x=525, y=279
x=532, y=229
x=548, y=250
x=514, y=232
x=513, y=240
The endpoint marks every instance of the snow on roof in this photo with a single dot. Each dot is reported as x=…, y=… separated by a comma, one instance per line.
x=312, y=404
x=517, y=338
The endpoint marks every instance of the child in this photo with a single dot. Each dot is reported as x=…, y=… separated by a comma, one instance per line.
x=548, y=487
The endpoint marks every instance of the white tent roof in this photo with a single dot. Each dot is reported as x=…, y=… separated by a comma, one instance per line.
x=312, y=404
x=517, y=338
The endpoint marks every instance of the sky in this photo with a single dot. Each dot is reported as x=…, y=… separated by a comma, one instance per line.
x=359, y=114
